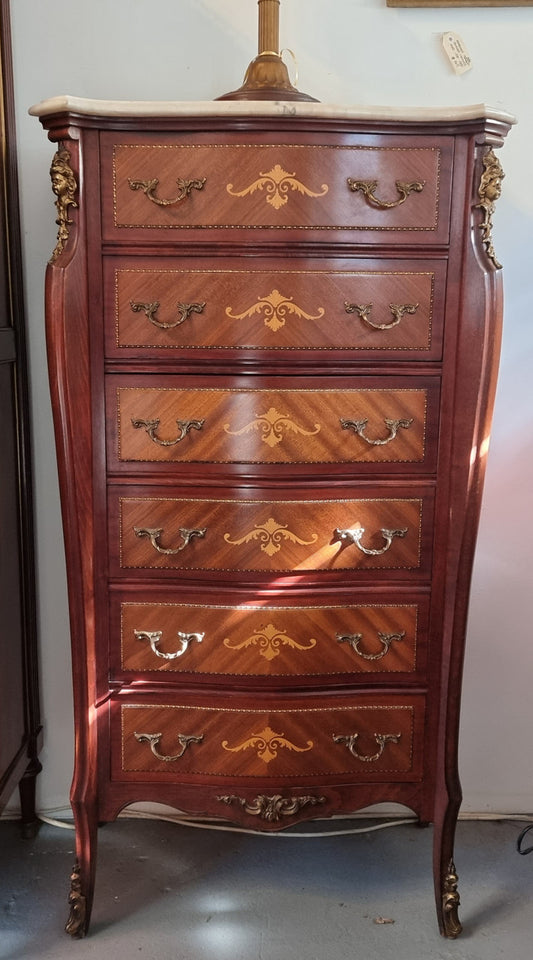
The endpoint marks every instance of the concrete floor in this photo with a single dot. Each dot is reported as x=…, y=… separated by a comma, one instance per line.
x=168, y=892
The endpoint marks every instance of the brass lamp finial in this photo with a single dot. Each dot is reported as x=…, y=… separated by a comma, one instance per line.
x=267, y=77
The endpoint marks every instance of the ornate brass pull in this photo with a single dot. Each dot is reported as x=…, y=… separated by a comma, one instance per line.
x=367, y=187
x=354, y=536
x=359, y=427
x=149, y=187
x=354, y=639
x=154, y=534
x=154, y=638
x=151, y=426
x=150, y=310
x=381, y=739
x=398, y=310
x=154, y=738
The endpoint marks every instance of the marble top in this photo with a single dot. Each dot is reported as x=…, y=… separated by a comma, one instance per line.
x=264, y=108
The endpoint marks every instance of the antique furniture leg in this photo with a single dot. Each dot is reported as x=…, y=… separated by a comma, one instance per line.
x=444, y=872
x=28, y=818
x=83, y=871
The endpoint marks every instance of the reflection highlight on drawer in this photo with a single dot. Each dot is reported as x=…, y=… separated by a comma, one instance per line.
x=211, y=424
x=270, y=640
x=380, y=532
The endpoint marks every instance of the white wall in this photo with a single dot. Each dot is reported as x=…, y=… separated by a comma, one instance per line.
x=348, y=51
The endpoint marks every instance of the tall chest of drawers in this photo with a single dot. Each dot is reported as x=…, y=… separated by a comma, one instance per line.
x=273, y=334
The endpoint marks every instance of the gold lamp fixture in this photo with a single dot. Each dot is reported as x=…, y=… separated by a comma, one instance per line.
x=267, y=77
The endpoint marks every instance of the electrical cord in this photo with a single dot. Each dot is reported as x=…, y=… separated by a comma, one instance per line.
x=297, y=834
x=200, y=824
x=228, y=828
x=520, y=839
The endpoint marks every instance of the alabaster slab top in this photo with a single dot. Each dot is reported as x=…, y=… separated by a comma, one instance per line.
x=265, y=108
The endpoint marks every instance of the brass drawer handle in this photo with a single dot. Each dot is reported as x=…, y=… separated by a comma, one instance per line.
x=150, y=310
x=381, y=739
x=153, y=739
x=359, y=427
x=354, y=639
x=398, y=311
x=154, y=534
x=151, y=426
x=154, y=639
x=367, y=187
x=149, y=187
x=354, y=535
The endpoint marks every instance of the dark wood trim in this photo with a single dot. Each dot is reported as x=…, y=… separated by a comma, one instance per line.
x=25, y=765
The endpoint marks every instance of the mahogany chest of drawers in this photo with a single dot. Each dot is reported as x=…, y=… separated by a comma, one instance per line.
x=273, y=338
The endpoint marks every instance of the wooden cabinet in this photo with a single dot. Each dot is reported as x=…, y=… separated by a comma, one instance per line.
x=273, y=343
x=20, y=737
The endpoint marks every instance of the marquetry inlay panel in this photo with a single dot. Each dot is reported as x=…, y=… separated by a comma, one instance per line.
x=279, y=743
x=299, y=425
x=275, y=185
x=286, y=307
x=271, y=640
x=262, y=535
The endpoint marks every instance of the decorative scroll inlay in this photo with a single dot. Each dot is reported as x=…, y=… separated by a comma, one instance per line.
x=150, y=309
x=272, y=424
x=359, y=427
x=270, y=533
x=64, y=186
x=386, y=639
x=185, y=188
x=272, y=808
x=450, y=903
x=153, y=534
x=267, y=743
x=277, y=183
x=75, y=924
x=151, y=426
x=350, y=741
x=368, y=188
x=153, y=739
x=398, y=311
x=489, y=191
x=269, y=639
x=275, y=308
x=154, y=638
x=355, y=534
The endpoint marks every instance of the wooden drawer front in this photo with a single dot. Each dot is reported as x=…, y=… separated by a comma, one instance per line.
x=393, y=308
x=174, y=185
x=271, y=641
x=266, y=535
x=368, y=739
x=215, y=425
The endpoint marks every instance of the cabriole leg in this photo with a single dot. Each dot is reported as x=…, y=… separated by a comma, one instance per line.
x=81, y=893
x=445, y=874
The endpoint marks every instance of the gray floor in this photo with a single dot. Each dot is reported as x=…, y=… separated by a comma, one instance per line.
x=168, y=892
